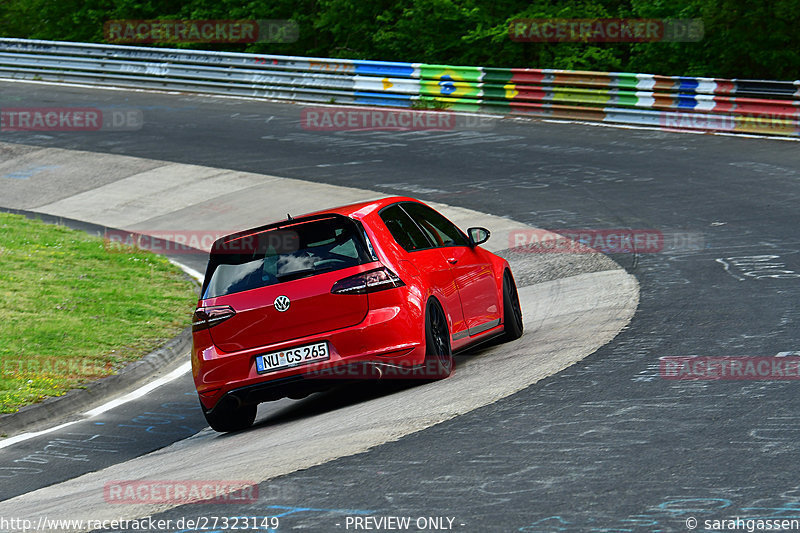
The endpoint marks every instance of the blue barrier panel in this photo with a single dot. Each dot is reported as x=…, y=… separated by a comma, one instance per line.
x=393, y=100
x=384, y=68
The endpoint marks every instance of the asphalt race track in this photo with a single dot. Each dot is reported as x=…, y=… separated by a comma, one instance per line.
x=576, y=303
x=606, y=445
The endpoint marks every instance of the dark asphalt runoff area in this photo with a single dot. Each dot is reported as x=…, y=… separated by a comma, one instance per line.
x=607, y=445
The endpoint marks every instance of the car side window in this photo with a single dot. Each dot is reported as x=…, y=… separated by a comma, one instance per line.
x=439, y=229
x=403, y=229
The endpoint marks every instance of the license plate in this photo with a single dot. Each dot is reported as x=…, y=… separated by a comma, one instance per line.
x=302, y=355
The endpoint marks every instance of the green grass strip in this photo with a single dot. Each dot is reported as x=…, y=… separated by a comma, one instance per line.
x=74, y=309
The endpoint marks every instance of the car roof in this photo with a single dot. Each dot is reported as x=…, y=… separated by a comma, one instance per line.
x=357, y=211
x=361, y=209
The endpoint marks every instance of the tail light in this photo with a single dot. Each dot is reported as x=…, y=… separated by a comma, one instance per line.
x=371, y=281
x=207, y=317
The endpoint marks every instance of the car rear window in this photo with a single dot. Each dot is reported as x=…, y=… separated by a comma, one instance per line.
x=284, y=252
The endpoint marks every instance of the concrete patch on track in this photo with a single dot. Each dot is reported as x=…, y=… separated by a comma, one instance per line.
x=147, y=195
x=31, y=177
x=572, y=305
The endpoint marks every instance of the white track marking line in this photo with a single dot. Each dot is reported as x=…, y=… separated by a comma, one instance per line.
x=25, y=436
x=141, y=391
x=622, y=126
x=138, y=393
x=190, y=271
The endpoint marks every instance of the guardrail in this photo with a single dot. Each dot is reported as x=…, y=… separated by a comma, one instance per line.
x=672, y=102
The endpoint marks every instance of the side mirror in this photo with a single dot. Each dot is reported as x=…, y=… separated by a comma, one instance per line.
x=478, y=236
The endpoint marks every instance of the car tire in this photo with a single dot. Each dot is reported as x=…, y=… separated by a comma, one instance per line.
x=439, y=362
x=512, y=311
x=227, y=416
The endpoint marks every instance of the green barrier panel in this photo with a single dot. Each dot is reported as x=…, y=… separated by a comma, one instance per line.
x=451, y=89
x=626, y=81
x=625, y=99
x=499, y=76
x=447, y=72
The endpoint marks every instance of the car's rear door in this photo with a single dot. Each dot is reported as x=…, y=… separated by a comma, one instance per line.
x=427, y=258
x=471, y=269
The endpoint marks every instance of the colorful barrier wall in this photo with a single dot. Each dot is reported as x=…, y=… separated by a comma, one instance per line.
x=670, y=102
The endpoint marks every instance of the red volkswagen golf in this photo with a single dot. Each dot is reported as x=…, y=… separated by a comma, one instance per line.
x=384, y=288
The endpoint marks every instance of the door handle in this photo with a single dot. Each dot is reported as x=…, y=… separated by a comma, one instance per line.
x=452, y=260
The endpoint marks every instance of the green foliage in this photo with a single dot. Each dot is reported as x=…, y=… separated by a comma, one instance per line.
x=743, y=39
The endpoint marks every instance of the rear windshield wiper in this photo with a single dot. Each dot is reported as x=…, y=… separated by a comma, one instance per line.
x=304, y=273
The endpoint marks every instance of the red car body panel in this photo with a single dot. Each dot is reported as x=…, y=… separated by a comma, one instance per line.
x=385, y=327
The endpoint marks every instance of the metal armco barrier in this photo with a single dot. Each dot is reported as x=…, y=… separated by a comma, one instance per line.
x=670, y=102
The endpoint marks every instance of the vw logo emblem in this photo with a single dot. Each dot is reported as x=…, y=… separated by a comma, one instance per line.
x=282, y=303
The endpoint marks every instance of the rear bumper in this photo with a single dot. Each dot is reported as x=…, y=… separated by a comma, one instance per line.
x=391, y=337
x=301, y=385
